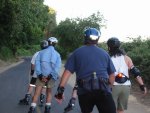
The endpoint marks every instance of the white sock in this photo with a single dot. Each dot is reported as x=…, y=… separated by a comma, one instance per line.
x=48, y=104
x=33, y=104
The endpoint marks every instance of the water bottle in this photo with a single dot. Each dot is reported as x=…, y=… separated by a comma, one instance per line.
x=94, y=75
x=95, y=82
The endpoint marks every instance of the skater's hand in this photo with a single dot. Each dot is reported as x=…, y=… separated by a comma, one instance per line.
x=59, y=96
x=143, y=89
x=44, y=79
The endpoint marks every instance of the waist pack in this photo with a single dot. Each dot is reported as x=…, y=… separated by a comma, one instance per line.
x=121, y=78
x=91, y=83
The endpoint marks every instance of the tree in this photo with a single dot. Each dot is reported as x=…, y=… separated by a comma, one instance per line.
x=70, y=31
x=51, y=23
x=23, y=23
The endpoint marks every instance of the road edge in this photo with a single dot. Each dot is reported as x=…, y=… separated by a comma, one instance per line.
x=6, y=67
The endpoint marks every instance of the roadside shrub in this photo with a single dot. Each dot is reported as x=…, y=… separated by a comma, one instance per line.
x=28, y=50
x=5, y=53
x=62, y=52
x=23, y=52
x=139, y=51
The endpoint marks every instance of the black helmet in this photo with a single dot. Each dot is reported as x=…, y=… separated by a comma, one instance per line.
x=44, y=44
x=113, y=42
x=91, y=35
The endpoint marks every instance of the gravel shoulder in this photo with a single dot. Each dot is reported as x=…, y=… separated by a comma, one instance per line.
x=137, y=97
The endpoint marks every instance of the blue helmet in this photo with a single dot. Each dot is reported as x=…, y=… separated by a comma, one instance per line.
x=91, y=35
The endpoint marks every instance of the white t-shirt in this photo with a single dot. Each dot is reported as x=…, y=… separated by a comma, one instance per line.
x=33, y=62
x=121, y=66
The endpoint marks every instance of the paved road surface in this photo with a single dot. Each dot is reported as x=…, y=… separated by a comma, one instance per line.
x=14, y=82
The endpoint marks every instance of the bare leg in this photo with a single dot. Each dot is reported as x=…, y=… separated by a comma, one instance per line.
x=42, y=96
x=48, y=100
x=120, y=111
x=43, y=90
x=35, y=99
x=48, y=95
x=74, y=94
x=30, y=89
x=36, y=94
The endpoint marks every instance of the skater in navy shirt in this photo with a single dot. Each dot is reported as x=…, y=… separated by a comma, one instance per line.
x=94, y=75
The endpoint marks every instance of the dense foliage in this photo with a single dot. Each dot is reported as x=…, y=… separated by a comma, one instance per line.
x=23, y=23
x=70, y=31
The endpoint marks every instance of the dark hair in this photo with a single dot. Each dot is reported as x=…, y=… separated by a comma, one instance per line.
x=51, y=43
x=116, y=52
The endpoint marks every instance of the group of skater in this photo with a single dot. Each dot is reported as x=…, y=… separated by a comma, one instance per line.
x=102, y=78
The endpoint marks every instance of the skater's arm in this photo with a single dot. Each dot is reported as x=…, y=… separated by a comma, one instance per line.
x=65, y=77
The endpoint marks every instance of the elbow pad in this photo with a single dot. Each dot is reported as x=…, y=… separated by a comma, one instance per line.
x=135, y=72
x=75, y=87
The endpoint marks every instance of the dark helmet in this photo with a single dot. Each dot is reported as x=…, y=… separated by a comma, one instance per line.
x=91, y=35
x=44, y=44
x=113, y=42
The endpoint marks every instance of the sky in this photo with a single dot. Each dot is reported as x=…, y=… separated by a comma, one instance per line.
x=125, y=18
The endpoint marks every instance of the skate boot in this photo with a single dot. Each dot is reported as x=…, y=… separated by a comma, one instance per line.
x=42, y=97
x=70, y=106
x=31, y=110
x=26, y=100
x=47, y=109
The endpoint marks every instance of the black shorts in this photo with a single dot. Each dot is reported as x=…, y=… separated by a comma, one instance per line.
x=103, y=101
x=33, y=80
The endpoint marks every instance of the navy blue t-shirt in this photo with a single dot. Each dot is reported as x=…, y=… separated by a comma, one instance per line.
x=88, y=59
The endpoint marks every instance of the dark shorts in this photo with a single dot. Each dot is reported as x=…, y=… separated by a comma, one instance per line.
x=102, y=100
x=33, y=81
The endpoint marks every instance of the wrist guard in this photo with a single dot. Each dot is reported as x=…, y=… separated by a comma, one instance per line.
x=75, y=87
x=60, y=90
x=32, y=72
x=142, y=87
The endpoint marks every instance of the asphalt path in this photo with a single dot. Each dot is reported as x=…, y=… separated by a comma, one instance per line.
x=14, y=83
